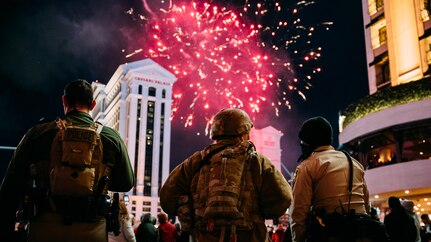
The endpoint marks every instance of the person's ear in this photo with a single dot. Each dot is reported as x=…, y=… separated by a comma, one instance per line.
x=93, y=104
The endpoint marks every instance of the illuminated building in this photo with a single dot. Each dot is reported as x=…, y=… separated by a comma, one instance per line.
x=137, y=103
x=267, y=142
x=389, y=131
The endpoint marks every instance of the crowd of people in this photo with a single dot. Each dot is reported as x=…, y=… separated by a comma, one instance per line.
x=60, y=174
x=401, y=224
x=147, y=229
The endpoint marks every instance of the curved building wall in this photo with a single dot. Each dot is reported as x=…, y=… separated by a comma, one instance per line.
x=397, y=115
x=394, y=146
x=402, y=179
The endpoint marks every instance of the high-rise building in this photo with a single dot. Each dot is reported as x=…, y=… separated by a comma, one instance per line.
x=389, y=131
x=137, y=103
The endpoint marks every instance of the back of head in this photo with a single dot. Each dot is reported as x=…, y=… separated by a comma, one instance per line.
x=316, y=132
x=408, y=205
x=229, y=123
x=162, y=217
x=146, y=218
x=394, y=203
x=124, y=213
x=79, y=92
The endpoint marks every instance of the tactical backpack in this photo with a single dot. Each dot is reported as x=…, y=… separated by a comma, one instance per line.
x=219, y=200
x=76, y=160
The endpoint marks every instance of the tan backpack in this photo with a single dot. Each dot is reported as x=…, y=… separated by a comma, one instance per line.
x=222, y=189
x=76, y=160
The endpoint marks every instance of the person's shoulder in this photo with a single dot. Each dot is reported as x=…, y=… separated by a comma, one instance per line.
x=260, y=156
x=42, y=127
x=109, y=133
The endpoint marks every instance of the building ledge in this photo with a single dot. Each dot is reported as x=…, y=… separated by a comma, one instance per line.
x=386, y=98
x=388, y=117
x=411, y=176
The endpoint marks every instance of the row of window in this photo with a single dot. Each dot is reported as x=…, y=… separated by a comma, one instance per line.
x=392, y=146
x=151, y=91
x=379, y=38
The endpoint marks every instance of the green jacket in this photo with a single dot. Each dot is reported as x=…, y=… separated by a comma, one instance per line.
x=272, y=194
x=35, y=147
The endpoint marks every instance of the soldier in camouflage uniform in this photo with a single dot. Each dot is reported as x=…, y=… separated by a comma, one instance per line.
x=266, y=194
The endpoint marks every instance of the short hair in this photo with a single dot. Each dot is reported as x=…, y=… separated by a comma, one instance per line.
x=79, y=92
x=146, y=218
x=394, y=203
x=163, y=218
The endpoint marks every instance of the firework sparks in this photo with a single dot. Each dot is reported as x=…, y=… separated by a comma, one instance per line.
x=222, y=58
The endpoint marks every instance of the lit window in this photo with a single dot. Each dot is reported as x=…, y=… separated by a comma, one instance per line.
x=374, y=6
x=378, y=34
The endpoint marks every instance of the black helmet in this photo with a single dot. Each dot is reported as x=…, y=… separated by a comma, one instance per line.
x=230, y=122
x=316, y=132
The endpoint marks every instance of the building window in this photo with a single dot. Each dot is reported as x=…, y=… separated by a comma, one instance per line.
x=163, y=93
x=383, y=77
x=140, y=89
x=152, y=91
x=382, y=35
x=378, y=34
x=149, y=148
x=428, y=49
x=416, y=144
x=426, y=10
x=390, y=146
x=374, y=6
x=138, y=128
x=162, y=128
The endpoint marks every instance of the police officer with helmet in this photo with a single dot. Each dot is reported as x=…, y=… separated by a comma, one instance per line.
x=269, y=194
x=321, y=179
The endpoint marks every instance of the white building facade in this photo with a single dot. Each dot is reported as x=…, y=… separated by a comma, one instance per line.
x=267, y=142
x=137, y=103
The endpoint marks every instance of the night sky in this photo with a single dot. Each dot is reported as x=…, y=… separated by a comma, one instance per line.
x=46, y=44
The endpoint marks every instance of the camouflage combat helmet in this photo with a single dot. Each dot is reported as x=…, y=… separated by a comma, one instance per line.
x=230, y=122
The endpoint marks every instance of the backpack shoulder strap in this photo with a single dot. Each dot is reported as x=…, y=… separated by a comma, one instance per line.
x=349, y=158
x=207, y=157
x=350, y=170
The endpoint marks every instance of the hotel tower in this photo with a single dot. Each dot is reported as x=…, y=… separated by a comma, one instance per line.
x=389, y=131
x=137, y=103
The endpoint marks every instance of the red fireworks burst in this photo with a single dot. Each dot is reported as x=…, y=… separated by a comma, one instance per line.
x=219, y=59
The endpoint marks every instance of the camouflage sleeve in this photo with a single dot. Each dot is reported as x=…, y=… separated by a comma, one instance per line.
x=178, y=184
x=275, y=193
